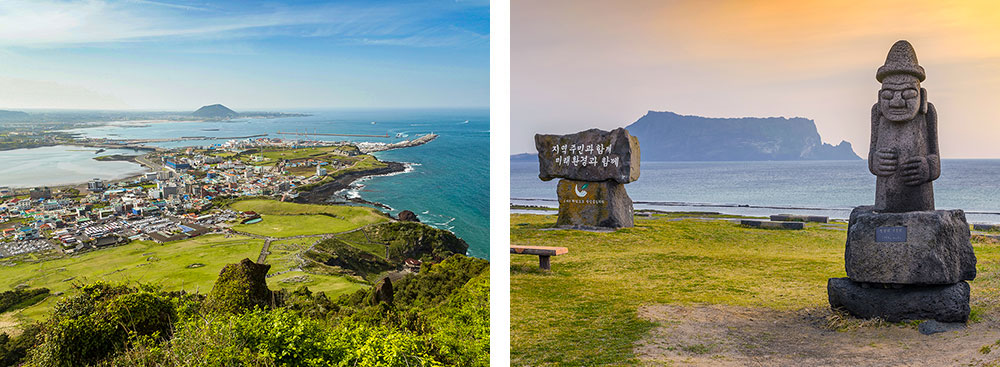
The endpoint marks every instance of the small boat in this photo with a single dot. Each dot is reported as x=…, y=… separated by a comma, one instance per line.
x=399, y=135
x=99, y=151
x=373, y=122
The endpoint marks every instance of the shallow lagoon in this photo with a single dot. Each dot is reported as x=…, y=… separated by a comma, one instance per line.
x=61, y=165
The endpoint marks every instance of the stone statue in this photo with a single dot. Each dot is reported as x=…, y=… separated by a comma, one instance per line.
x=904, y=144
x=904, y=259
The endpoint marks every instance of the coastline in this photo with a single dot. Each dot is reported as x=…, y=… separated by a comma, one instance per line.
x=322, y=194
x=547, y=206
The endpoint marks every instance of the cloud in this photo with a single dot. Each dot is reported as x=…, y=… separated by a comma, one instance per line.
x=577, y=64
x=432, y=37
x=49, y=23
x=170, y=5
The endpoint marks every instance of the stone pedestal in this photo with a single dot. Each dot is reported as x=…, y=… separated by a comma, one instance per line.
x=930, y=247
x=944, y=303
x=906, y=266
x=593, y=204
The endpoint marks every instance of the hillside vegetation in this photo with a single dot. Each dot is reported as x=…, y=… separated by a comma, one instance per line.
x=440, y=318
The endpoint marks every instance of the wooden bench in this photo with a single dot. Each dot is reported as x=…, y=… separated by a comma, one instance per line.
x=543, y=252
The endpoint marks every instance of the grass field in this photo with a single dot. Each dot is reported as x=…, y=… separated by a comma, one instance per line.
x=283, y=219
x=295, y=225
x=283, y=259
x=584, y=312
x=172, y=265
x=262, y=206
x=360, y=241
x=193, y=265
x=283, y=253
x=333, y=286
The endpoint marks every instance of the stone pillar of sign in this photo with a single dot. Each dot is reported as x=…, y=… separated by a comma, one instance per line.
x=593, y=167
x=905, y=260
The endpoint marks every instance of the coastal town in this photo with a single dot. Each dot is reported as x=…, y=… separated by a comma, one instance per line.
x=183, y=194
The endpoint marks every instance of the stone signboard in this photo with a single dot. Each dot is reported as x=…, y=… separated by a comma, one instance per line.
x=593, y=204
x=591, y=155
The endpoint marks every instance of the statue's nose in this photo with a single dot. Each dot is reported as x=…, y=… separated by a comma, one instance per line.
x=897, y=101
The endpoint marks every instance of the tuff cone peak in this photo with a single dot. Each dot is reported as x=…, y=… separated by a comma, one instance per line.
x=902, y=59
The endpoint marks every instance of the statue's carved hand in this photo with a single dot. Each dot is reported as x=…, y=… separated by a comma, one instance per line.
x=888, y=160
x=916, y=171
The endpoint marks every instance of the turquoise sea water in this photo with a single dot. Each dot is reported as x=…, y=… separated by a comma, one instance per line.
x=447, y=185
x=830, y=188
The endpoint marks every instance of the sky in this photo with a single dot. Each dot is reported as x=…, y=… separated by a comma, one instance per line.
x=579, y=64
x=247, y=55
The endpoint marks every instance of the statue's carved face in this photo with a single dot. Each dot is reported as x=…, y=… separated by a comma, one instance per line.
x=899, y=98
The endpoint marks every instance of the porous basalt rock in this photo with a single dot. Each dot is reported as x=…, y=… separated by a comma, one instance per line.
x=240, y=287
x=591, y=155
x=903, y=154
x=944, y=303
x=593, y=204
x=937, y=248
x=905, y=260
x=407, y=216
x=382, y=292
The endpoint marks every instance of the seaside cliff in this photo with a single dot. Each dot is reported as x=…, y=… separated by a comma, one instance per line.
x=667, y=136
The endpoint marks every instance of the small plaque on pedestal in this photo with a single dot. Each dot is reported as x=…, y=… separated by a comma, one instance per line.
x=890, y=234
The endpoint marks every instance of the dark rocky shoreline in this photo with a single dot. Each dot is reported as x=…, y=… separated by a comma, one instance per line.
x=322, y=194
x=117, y=157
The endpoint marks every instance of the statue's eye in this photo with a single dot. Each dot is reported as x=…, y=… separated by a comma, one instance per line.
x=910, y=93
x=887, y=94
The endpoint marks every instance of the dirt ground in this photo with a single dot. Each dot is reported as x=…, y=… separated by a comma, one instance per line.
x=715, y=335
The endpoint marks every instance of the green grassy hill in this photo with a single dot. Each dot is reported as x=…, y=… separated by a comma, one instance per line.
x=284, y=219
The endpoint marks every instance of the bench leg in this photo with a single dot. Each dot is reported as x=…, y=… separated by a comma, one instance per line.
x=543, y=262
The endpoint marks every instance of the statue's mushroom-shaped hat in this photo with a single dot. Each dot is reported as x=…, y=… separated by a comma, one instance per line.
x=901, y=60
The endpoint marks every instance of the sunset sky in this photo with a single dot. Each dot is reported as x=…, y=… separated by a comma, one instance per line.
x=582, y=64
x=247, y=54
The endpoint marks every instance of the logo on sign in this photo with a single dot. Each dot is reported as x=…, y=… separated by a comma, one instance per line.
x=580, y=193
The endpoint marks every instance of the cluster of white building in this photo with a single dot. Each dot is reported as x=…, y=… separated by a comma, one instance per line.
x=165, y=205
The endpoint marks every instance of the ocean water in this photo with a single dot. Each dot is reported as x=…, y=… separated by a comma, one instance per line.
x=61, y=165
x=447, y=180
x=830, y=188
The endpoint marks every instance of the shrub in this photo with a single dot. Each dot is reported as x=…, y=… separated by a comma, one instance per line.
x=13, y=350
x=462, y=324
x=240, y=287
x=258, y=337
x=434, y=285
x=21, y=298
x=103, y=319
x=409, y=239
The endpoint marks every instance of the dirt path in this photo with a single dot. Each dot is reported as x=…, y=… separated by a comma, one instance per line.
x=715, y=335
x=264, y=251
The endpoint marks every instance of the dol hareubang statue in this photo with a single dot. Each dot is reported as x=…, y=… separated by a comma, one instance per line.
x=904, y=144
x=904, y=259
